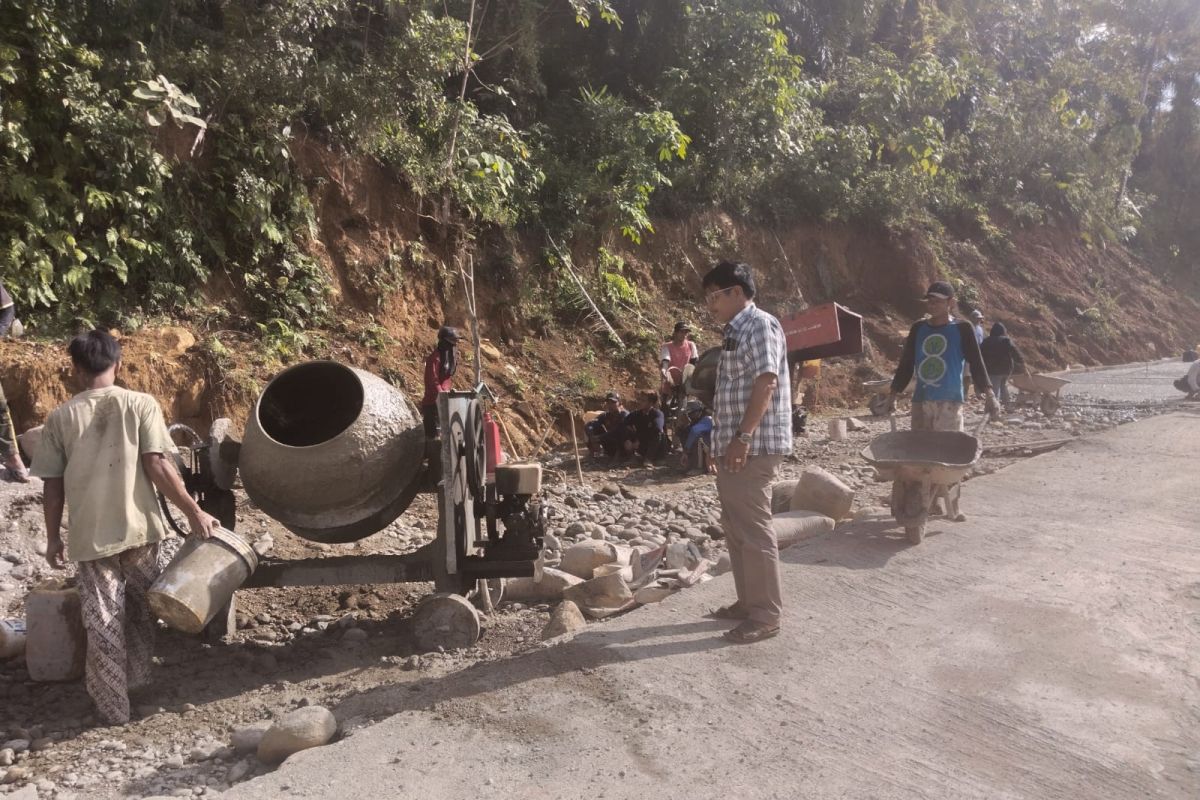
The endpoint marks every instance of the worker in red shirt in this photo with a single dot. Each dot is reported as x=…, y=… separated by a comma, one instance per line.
x=440, y=367
x=673, y=358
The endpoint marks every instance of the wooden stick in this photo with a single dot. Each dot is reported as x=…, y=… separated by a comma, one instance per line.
x=575, y=447
x=566, y=262
x=537, y=451
x=504, y=430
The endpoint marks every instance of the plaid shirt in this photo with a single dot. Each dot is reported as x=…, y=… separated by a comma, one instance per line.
x=754, y=345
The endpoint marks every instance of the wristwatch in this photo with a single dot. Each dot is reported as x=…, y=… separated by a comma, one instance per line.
x=744, y=438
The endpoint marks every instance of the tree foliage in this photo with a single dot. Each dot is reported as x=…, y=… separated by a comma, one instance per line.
x=146, y=147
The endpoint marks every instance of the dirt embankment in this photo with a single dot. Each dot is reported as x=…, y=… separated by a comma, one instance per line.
x=392, y=266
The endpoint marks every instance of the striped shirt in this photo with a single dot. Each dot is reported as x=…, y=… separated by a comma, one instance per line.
x=754, y=345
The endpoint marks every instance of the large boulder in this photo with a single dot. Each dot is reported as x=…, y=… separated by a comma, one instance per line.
x=582, y=559
x=795, y=526
x=311, y=726
x=820, y=491
x=565, y=618
x=550, y=588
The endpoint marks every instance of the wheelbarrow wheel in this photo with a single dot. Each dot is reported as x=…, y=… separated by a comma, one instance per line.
x=915, y=533
x=1050, y=404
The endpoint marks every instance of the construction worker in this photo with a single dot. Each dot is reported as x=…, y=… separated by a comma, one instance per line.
x=440, y=367
x=102, y=454
x=604, y=432
x=695, y=438
x=936, y=351
x=674, y=357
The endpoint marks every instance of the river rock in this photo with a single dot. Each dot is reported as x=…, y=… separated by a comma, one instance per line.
x=297, y=730
x=17, y=774
x=246, y=739
x=582, y=559
x=565, y=618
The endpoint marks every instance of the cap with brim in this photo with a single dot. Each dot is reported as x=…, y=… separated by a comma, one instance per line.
x=449, y=333
x=940, y=290
x=613, y=396
x=977, y=314
x=682, y=326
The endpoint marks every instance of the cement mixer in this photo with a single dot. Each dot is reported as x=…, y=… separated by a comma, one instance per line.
x=336, y=454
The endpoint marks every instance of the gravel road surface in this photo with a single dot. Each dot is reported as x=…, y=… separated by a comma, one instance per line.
x=1132, y=383
x=1046, y=648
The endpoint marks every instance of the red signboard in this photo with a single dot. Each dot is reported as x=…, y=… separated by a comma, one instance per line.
x=822, y=332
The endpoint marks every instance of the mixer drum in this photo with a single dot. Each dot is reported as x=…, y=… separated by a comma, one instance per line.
x=332, y=452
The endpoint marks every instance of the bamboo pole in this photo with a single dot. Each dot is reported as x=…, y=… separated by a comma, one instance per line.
x=575, y=447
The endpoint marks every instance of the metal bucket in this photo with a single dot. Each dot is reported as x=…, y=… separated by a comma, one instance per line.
x=332, y=452
x=201, y=579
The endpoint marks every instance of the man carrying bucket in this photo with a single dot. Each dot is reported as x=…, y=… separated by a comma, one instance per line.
x=103, y=453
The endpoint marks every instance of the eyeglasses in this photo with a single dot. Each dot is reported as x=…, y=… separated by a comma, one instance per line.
x=708, y=298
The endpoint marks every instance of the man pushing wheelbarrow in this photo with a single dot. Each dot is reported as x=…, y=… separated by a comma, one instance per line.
x=935, y=351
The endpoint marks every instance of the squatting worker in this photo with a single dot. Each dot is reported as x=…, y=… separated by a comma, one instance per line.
x=936, y=350
x=674, y=356
x=751, y=435
x=10, y=458
x=104, y=452
x=440, y=367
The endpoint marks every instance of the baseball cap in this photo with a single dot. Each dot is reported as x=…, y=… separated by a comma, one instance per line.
x=940, y=290
x=682, y=326
x=449, y=334
x=613, y=396
x=694, y=405
x=977, y=314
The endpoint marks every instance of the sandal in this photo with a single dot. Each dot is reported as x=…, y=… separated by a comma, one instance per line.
x=731, y=611
x=750, y=632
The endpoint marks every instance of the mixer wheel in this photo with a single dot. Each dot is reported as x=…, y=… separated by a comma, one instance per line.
x=447, y=621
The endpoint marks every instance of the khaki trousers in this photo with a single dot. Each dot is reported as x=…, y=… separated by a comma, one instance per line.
x=937, y=415
x=753, y=550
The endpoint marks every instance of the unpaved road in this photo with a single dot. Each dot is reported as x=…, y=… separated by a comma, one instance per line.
x=1131, y=383
x=1046, y=648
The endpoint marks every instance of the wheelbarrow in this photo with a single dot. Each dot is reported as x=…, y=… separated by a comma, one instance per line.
x=1044, y=385
x=920, y=464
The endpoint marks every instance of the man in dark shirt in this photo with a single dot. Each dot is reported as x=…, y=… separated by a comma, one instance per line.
x=603, y=433
x=644, y=429
x=1002, y=359
x=440, y=367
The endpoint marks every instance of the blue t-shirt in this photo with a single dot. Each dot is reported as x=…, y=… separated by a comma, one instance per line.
x=939, y=363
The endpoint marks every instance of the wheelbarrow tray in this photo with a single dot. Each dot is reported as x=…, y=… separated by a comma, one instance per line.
x=941, y=457
x=1038, y=384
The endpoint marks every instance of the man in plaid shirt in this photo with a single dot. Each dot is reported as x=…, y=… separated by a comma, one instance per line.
x=752, y=433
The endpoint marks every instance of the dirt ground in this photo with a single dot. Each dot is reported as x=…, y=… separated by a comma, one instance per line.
x=291, y=647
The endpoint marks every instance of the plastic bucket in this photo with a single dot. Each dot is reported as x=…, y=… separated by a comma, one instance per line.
x=55, y=640
x=12, y=638
x=201, y=579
